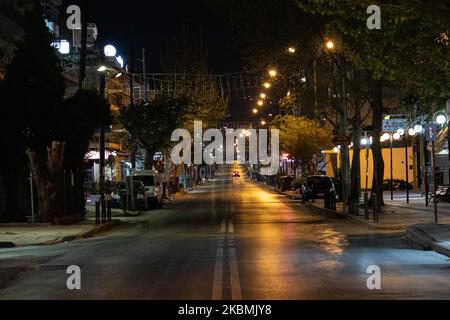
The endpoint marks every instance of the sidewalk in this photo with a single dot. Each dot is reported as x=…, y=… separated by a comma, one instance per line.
x=395, y=215
x=21, y=235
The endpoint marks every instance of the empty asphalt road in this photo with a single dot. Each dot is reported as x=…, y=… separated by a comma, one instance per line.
x=229, y=239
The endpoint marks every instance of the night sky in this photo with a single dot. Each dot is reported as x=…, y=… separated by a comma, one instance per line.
x=148, y=24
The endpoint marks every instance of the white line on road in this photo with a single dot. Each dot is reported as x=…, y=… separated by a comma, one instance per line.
x=234, y=271
x=223, y=227
x=218, y=276
x=226, y=244
x=231, y=227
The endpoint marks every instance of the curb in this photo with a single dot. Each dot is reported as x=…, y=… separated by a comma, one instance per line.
x=84, y=235
x=441, y=248
x=370, y=225
x=7, y=245
x=427, y=242
x=419, y=237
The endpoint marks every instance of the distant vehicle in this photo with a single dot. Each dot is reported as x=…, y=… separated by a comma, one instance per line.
x=236, y=174
x=153, y=186
x=320, y=187
x=397, y=185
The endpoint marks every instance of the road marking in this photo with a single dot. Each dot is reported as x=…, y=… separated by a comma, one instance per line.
x=218, y=276
x=236, y=293
x=226, y=283
x=223, y=227
x=231, y=226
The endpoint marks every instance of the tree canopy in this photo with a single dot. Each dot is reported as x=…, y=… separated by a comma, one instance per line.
x=302, y=138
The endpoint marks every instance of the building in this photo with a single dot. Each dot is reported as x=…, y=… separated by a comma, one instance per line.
x=12, y=20
x=68, y=43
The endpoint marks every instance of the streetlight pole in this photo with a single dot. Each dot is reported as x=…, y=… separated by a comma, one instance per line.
x=343, y=126
x=83, y=49
x=102, y=151
x=392, y=165
x=343, y=132
x=407, y=167
x=366, y=190
x=433, y=173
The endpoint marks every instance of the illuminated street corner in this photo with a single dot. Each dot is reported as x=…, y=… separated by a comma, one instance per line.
x=224, y=153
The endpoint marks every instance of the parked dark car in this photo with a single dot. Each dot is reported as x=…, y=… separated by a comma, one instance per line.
x=120, y=192
x=320, y=187
x=397, y=185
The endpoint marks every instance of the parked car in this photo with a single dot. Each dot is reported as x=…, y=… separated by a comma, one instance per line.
x=320, y=187
x=397, y=185
x=153, y=186
x=120, y=192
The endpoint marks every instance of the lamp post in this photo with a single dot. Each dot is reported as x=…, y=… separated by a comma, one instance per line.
x=440, y=120
x=448, y=132
x=109, y=51
x=391, y=142
x=406, y=167
x=330, y=46
x=430, y=132
x=102, y=152
x=366, y=143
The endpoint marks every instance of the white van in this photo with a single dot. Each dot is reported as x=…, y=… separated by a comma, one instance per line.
x=153, y=186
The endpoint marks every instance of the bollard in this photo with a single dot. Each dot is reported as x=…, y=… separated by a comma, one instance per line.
x=103, y=211
x=356, y=207
x=109, y=211
x=97, y=212
x=376, y=210
x=366, y=206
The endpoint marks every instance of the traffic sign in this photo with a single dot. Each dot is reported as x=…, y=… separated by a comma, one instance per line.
x=393, y=125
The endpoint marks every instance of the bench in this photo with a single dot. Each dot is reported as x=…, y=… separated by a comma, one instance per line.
x=442, y=194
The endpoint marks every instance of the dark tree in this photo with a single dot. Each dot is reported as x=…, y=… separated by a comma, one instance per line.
x=151, y=124
x=53, y=132
x=32, y=95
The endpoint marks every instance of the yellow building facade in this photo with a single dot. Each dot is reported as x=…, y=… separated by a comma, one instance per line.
x=398, y=164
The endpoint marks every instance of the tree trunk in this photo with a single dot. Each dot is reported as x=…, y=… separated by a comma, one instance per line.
x=47, y=177
x=378, y=162
x=356, y=161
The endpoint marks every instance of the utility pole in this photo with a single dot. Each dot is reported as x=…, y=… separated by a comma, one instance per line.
x=131, y=75
x=83, y=50
x=144, y=71
x=433, y=178
x=391, y=147
x=102, y=151
x=407, y=167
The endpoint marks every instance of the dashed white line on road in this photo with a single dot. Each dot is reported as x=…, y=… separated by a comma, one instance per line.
x=218, y=276
x=226, y=259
